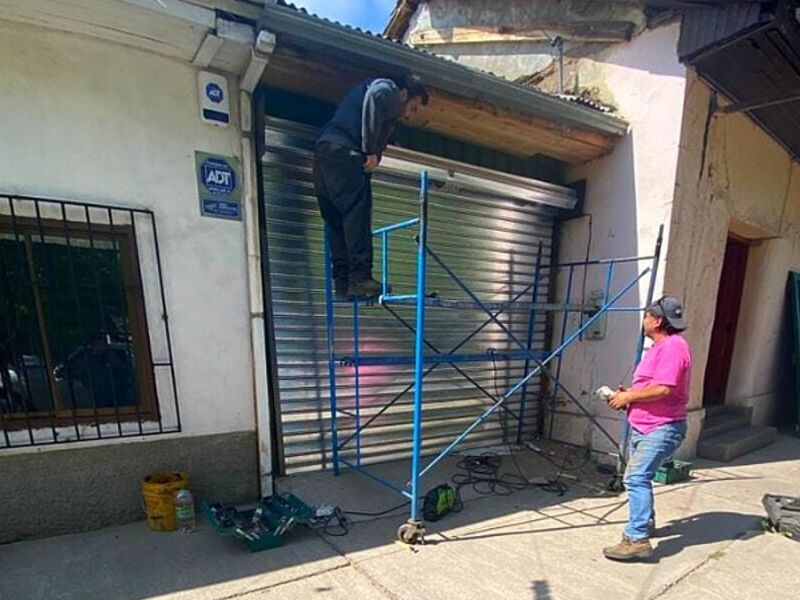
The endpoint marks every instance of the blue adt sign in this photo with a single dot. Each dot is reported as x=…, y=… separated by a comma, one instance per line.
x=218, y=186
x=214, y=93
x=218, y=177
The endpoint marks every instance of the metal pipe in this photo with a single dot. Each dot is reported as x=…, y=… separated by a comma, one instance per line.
x=380, y=480
x=422, y=256
x=622, y=460
x=329, y=325
x=258, y=309
x=601, y=261
x=384, y=263
x=357, y=380
x=554, y=397
x=395, y=226
x=607, y=287
x=531, y=330
x=398, y=298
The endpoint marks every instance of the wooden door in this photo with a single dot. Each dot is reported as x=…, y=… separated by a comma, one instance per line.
x=723, y=334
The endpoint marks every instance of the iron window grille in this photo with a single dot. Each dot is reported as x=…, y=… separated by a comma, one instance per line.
x=85, y=347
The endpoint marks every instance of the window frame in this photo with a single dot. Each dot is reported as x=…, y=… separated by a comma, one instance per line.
x=30, y=231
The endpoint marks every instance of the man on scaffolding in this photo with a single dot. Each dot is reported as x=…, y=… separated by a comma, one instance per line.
x=656, y=405
x=346, y=153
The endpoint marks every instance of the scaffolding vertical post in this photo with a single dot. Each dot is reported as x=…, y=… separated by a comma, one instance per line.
x=529, y=346
x=554, y=397
x=329, y=324
x=626, y=430
x=419, y=338
x=609, y=277
x=384, y=262
x=651, y=288
x=357, y=374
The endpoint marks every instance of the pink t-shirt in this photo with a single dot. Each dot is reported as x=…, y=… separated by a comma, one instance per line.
x=669, y=362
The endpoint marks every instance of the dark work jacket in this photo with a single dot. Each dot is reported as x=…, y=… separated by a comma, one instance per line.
x=366, y=117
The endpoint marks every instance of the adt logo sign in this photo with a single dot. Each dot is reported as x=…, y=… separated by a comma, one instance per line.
x=218, y=177
x=214, y=93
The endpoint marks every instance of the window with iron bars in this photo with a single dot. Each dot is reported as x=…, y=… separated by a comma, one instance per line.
x=79, y=358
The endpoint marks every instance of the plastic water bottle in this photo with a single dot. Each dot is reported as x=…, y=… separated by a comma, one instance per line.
x=184, y=511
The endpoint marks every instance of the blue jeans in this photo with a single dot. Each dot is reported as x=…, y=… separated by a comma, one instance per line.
x=646, y=453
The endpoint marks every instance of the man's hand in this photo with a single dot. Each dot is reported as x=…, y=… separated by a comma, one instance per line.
x=620, y=400
x=372, y=162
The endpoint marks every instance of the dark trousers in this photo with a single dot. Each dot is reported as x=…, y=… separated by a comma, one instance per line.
x=344, y=194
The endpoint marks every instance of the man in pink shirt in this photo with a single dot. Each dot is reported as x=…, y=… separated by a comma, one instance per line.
x=656, y=405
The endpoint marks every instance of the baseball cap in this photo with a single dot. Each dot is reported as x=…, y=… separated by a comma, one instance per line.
x=670, y=309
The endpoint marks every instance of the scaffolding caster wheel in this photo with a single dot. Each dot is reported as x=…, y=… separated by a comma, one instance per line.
x=411, y=533
x=615, y=484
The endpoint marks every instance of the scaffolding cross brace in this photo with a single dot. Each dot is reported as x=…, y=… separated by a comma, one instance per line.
x=535, y=362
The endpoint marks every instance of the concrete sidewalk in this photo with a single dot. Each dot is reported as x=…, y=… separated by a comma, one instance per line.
x=531, y=544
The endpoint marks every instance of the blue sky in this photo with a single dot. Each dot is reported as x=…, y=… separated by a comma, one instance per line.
x=366, y=14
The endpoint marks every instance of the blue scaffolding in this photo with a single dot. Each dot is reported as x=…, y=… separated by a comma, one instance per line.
x=535, y=363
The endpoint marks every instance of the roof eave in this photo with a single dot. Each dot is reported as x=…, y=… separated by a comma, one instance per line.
x=448, y=76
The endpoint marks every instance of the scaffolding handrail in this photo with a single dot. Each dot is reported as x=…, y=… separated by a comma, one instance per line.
x=395, y=226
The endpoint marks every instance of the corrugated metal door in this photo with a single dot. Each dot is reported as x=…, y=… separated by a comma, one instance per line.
x=491, y=241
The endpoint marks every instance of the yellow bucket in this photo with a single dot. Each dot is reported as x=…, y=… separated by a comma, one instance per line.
x=158, y=495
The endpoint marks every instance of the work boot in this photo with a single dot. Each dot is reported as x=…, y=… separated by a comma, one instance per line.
x=367, y=288
x=627, y=549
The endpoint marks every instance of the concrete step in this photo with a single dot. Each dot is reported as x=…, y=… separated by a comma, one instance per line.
x=722, y=423
x=736, y=442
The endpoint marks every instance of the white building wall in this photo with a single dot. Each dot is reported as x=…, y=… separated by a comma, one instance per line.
x=629, y=195
x=86, y=120
x=733, y=177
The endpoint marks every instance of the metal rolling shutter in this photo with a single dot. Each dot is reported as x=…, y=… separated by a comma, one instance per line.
x=490, y=240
